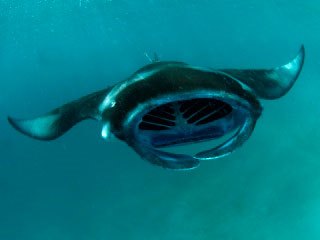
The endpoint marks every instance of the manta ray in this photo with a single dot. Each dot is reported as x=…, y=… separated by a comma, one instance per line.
x=168, y=103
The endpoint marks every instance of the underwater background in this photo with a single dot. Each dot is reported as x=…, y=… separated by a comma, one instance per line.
x=81, y=187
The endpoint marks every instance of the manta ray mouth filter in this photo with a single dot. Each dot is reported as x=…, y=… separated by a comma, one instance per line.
x=167, y=104
x=187, y=119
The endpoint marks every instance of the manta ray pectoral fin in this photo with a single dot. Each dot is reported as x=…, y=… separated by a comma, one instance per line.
x=270, y=83
x=58, y=121
x=47, y=127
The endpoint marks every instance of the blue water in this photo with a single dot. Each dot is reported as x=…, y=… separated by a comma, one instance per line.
x=80, y=187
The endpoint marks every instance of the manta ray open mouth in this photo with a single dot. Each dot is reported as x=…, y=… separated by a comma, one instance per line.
x=190, y=113
x=166, y=104
x=186, y=121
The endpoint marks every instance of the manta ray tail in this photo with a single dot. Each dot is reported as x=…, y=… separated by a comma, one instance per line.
x=270, y=83
x=58, y=121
